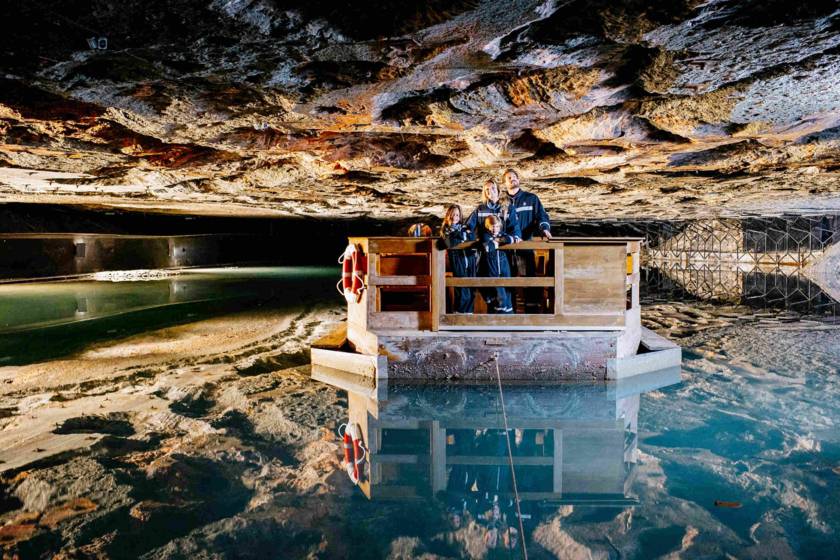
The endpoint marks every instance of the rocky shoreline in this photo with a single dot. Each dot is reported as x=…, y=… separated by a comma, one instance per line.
x=191, y=446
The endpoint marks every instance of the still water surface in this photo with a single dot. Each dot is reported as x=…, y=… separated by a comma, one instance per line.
x=737, y=456
x=46, y=320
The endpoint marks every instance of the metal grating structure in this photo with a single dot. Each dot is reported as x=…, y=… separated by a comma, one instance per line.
x=782, y=241
x=757, y=262
x=754, y=261
x=779, y=289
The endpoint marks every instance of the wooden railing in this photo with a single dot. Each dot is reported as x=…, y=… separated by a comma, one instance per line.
x=592, y=285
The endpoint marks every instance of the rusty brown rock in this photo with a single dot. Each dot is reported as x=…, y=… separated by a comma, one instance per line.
x=423, y=103
x=71, y=508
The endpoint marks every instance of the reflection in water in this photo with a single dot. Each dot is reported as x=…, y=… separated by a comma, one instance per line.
x=44, y=320
x=445, y=446
x=768, y=263
x=760, y=288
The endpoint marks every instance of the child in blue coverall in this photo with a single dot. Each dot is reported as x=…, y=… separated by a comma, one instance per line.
x=462, y=262
x=496, y=261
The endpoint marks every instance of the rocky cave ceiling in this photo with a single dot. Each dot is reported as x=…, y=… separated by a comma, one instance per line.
x=665, y=108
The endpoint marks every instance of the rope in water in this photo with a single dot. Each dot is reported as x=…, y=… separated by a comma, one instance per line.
x=510, y=461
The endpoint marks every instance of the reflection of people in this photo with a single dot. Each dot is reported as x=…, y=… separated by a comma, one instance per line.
x=462, y=263
x=496, y=262
x=532, y=219
x=480, y=496
x=419, y=230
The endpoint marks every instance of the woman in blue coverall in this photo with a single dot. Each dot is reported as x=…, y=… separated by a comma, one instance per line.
x=494, y=202
x=462, y=262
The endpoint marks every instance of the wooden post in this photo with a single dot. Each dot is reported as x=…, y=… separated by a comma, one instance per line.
x=438, y=288
x=438, y=462
x=557, y=482
x=558, y=280
x=372, y=272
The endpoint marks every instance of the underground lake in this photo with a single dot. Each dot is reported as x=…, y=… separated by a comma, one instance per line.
x=381, y=279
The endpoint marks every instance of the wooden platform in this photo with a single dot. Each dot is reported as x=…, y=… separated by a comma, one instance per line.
x=404, y=328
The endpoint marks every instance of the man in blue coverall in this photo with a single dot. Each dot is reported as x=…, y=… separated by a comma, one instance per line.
x=533, y=219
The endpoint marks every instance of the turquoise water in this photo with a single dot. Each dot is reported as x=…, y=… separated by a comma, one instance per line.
x=739, y=458
x=46, y=320
x=737, y=455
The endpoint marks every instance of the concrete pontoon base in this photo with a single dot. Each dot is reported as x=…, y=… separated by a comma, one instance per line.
x=531, y=356
x=470, y=356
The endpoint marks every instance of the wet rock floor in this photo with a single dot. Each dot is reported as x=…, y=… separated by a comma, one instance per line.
x=228, y=450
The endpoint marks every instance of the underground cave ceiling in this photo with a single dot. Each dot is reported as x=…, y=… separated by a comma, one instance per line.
x=391, y=109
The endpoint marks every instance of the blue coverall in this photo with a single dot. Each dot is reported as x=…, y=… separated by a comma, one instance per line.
x=462, y=263
x=475, y=222
x=532, y=219
x=497, y=266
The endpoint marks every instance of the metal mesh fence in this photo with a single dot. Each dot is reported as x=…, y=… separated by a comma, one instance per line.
x=756, y=261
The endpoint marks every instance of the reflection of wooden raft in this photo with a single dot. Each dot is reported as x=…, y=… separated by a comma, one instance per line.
x=333, y=350
x=401, y=328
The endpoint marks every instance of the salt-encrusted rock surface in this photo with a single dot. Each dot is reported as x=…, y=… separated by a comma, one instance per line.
x=392, y=108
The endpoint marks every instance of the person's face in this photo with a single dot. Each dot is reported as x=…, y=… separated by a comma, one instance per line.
x=497, y=228
x=492, y=193
x=456, y=216
x=511, y=182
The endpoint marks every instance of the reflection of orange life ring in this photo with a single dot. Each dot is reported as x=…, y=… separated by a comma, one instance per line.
x=352, y=437
x=348, y=444
x=353, y=268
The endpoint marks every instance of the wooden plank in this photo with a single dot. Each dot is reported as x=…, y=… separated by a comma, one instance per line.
x=415, y=320
x=400, y=244
x=438, y=464
x=333, y=339
x=357, y=312
x=536, y=321
x=542, y=244
x=360, y=364
x=399, y=280
x=372, y=296
x=362, y=340
x=494, y=460
x=559, y=251
x=594, y=278
x=557, y=479
x=382, y=369
x=350, y=382
x=514, y=282
x=357, y=413
x=401, y=459
x=544, y=423
x=363, y=241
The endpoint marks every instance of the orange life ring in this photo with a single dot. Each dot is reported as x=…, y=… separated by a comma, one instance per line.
x=359, y=271
x=353, y=268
